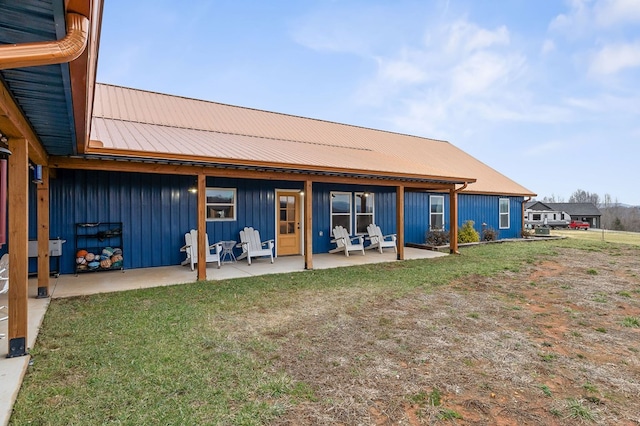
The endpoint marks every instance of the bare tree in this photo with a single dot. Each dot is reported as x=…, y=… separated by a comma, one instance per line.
x=582, y=196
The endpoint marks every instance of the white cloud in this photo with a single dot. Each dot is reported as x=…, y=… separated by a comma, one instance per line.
x=544, y=149
x=584, y=15
x=608, y=13
x=548, y=46
x=468, y=37
x=614, y=58
x=406, y=70
x=482, y=71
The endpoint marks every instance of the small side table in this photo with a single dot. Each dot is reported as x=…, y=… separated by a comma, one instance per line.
x=227, y=252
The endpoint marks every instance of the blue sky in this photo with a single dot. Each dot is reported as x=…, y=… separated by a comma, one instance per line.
x=546, y=92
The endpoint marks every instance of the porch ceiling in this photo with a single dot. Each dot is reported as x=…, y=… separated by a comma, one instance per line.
x=42, y=93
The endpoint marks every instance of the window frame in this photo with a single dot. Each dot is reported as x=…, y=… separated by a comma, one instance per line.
x=507, y=213
x=431, y=213
x=369, y=196
x=233, y=205
x=333, y=195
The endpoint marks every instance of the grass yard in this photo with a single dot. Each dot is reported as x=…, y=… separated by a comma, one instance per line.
x=620, y=237
x=518, y=333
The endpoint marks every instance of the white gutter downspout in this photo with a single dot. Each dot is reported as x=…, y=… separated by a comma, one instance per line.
x=48, y=52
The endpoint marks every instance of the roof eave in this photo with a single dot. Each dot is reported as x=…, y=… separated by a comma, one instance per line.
x=112, y=154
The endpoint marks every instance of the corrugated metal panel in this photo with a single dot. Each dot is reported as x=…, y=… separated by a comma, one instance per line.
x=486, y=209
x=152, y=233
x=156, y=211
x=128, y=119
x=384, y=211
x=44, y=92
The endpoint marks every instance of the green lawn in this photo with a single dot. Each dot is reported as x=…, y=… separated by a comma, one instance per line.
x=619, y=237
x=192, y=354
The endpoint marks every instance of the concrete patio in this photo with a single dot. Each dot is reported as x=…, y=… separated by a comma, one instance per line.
x=12, y=370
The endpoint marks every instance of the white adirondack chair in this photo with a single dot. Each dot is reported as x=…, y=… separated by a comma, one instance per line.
x=4, y=282
x=380, y=241
x=191, y=249
x=344, y=242
x=252, y=246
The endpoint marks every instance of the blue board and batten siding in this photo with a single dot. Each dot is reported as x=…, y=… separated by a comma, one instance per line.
x=156, y=211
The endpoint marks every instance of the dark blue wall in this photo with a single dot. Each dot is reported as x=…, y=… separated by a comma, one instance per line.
x=156, y=211
x=479, y=208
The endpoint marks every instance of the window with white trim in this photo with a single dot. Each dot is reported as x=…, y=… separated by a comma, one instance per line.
x=341, y=210
x=504, y=213
x=364, y=211
x=221, y=204
x=436, y=209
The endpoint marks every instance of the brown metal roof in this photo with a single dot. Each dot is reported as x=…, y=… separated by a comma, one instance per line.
x=139, y=123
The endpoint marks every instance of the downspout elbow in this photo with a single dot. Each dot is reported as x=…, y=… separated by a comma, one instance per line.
x=48, y=52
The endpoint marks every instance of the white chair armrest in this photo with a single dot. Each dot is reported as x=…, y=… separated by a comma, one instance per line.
x=218, y=247
x=357, y=237
x=185, y=247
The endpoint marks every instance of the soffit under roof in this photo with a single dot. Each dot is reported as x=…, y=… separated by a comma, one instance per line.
x=43, y=93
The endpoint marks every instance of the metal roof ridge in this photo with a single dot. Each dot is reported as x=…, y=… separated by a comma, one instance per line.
x=277, y=113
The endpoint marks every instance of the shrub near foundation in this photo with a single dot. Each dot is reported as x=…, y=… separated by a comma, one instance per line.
x=468, y=234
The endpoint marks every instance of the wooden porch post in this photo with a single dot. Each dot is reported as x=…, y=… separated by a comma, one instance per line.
x=400, y=220
x=308, y=225
x=43, y=234
x=202, y=227
x=453, y=221
x=18, y=199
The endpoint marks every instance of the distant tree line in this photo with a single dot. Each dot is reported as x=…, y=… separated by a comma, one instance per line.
x=615, y=215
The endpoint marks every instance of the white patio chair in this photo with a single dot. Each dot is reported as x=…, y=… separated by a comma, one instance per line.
x=191, y=249
x=380, y=241
x=345, y=242
x=4, y=283
x=252, y=246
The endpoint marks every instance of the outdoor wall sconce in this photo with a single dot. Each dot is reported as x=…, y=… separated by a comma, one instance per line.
x=193, y=190
x=4, y=151
x=37, y=174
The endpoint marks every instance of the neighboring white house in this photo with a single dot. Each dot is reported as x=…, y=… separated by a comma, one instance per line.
x=540, y=214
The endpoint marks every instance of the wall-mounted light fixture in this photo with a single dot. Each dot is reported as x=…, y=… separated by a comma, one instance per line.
x=4, y=151
x=37, y=173
x=193, y=190
x=301, y=193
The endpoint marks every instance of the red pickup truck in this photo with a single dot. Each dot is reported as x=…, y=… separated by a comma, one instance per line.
x=577, y=224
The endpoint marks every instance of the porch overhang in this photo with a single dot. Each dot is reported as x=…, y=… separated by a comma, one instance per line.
x=215, y=167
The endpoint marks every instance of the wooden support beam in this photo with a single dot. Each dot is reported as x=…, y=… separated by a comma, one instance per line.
x=202, y=227
x=42, y=191
x=400, y=220
x=18, y=200
x=453, y=221
x=308, y=225
x=177, y=169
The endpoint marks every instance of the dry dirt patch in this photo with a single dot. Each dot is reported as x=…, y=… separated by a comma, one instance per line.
x=545, y=345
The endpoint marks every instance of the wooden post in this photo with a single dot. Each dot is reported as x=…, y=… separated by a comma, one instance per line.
x=308, y=225
x=18, y=199
x=202, y=227
x=400, y=220
x=453, y=221
x=43, y=234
